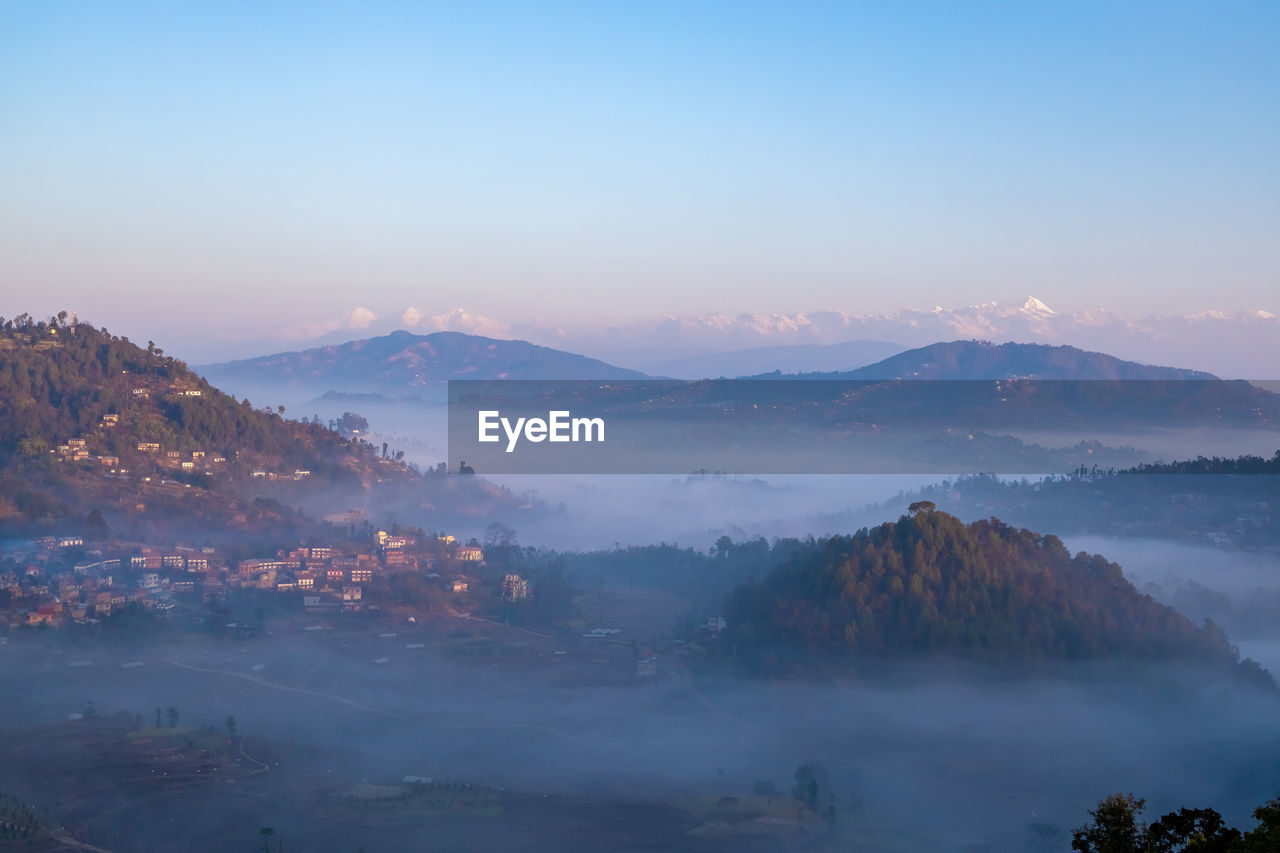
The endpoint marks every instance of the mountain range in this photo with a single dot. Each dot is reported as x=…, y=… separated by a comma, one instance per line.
x=402, y=364
x=1238, y=345
x=968, y=360
x=951, y=417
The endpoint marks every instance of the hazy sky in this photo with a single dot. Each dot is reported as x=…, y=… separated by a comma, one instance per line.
x=256, y=165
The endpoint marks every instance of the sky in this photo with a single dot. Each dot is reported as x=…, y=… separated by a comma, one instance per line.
x=264, y=168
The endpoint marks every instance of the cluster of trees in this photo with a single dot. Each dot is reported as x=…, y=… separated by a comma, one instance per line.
x=18, y=823
x=1247, y=464
x=349, y=424
x=1165, y=499
x=57, y=380
x=1116, y=826
x=813, y=788
x=929, y=584
x=441, y=796
x=553, y=601
x=705, y=577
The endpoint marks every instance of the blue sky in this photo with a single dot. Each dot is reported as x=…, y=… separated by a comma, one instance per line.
x=267, y=163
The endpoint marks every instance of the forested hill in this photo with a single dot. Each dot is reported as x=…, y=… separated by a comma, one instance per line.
x=1220, y=501
x=60, y=382
x=403, y=364
x=89, y=417
x=972, y=360
x=930, y=585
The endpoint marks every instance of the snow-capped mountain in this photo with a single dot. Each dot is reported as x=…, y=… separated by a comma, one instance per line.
x=1244, y=344
x=457, y=320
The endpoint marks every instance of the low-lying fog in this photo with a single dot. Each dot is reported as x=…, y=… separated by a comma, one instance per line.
x=603, y=510
x=961, y=758
x=1240, y=591
x=956, y=758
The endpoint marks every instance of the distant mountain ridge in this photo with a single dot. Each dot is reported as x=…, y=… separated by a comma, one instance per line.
x=797, y=358
x=968, y=360
x=1240, y=344
x=403, y=363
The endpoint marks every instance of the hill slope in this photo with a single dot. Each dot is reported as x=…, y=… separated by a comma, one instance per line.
x=91, y=420
x=800, y=358
x=930, y=585
x=1229, y=502
x=984, y=360
x=402, y=363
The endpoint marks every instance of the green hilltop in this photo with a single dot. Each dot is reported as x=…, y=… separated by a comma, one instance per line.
x=89, y=420
x=930, y=585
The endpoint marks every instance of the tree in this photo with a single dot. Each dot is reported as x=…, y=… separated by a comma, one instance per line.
x=922, y=506
x=171, y=714
x=1265, y=836
x=266, y=832
x=231, y=725
x=349, y=424
x=500, y=540
x=1046, y=837
x=1191, y=831
x=157, y=717
x=33, y=446
x=1115, y=827
x=811, y=780
x=95, y=526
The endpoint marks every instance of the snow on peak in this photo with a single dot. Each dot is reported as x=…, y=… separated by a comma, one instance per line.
x=360, y=318
x=1035, y=306
x=457, y=320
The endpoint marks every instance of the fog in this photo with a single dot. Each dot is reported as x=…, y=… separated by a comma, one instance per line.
x=1169, y=443
x=1239, y=590
x=945, y=758
x=634, y=509
x=928, y=756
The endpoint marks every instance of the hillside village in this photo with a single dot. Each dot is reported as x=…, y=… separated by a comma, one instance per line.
x=94, y=422
x=152, y=447
x=56, y=582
